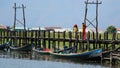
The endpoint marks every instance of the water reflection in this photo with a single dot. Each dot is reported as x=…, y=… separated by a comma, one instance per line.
x=15, y=55
x=48, y=58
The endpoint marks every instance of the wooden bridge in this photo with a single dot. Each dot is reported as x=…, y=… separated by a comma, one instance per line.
x=48, y=39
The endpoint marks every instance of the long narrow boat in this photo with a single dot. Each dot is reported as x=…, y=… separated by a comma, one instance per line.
x=4, y=45
x=85, y=55
x=27, y=47
x=42, y=50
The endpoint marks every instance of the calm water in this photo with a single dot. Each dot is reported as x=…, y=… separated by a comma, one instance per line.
x=35, y=60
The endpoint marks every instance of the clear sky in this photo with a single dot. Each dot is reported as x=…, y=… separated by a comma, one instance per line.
x=61, y=13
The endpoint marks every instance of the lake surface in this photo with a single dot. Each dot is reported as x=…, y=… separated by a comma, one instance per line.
x=34, y=60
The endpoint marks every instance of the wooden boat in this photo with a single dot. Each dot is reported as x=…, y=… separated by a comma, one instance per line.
x=4, y=45
x=84, y=55
x=27, y=47
x=42, y=50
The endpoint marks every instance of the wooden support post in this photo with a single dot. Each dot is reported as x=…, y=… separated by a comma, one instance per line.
x=27, y=40
x=94, y=40
x=44, y=39
x=107, y=39
x=101, y=58
x=82, y=43
x=49, y=46
x=3, y=36
x=11, y=38
x=19, y=38
x=111, y=59
x=14, y=38
x=53, y=43
x=64, y=38
x=113, y=39
x=39, y=38
x=70, y=39
x=104, y=43
x=58, y=40
x=7, y=35
x=0, y=37
x=32, y=38
x=80, y=37
x=76, y=45
x=88, y=43
x=36, y=45
x=25, y=37
x=99, y=39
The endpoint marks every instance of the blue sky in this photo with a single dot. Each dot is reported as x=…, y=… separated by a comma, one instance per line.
x=61, y=13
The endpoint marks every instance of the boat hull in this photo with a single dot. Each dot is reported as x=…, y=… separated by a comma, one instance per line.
x=41, y=51
x=23, y=48
x=84, y=55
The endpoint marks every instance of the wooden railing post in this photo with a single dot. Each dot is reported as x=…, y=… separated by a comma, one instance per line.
x=99, y=39
x=49, y=46
x=88, y=43
x=53, y=43
x=94, y=40
x=64, y=38
x=70, y=39
x=39, y=38
x=58, y=40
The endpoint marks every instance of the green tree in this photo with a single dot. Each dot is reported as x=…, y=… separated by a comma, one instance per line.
x=111, y=29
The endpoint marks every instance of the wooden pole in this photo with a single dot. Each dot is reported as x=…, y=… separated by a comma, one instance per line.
x=39, y=38
x=88, y=43
x=96, y=22
x=93, y=39
x=85, y=12
x=80, y=44
x=44, y=41
x=70, y=37
x=58, y=40
x=24, y=21
x=53, y=43
x=14, y=16
x=64, y=39
x=113, y=38
x=100, y=39
x=107, y=39
x=49, y=46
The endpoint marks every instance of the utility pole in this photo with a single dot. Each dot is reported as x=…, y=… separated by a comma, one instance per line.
x=23, y=22
x=91, y=22
x=14, y=16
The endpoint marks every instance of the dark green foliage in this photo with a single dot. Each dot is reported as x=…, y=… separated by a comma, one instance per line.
x=111, y=29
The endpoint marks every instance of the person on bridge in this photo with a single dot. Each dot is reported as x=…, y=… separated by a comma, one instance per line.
x=75, y=31
x=84, y=30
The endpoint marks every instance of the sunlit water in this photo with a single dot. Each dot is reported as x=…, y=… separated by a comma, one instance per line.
x=33, y=60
